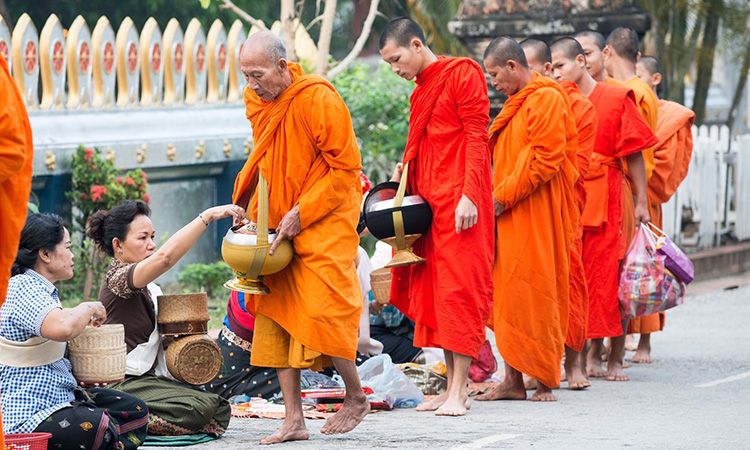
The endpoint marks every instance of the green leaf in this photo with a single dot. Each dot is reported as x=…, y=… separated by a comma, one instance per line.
x=205, y=3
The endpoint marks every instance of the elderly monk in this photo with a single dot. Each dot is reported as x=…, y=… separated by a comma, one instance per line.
x=593, y=43
x=448, y=296
x=539, y=57
x=671, y=161
x=16, y=158
x=536, y=219
x=621, y=136
x=305, y=147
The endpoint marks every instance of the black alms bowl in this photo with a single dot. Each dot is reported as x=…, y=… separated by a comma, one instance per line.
x=378, y=209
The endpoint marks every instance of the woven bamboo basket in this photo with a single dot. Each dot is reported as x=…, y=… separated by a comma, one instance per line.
x=183, y=314
x=194, y=360
x=98, y=354
x=380, y=280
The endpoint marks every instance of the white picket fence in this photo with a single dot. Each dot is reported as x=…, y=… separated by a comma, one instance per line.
x=715, y=196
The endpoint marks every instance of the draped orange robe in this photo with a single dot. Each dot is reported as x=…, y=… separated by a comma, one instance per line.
x=586, y=122
x=672, y=156
x=16, y=160
x=449, y=295
x=621, y=131
x=534, y=178
x=306, y=149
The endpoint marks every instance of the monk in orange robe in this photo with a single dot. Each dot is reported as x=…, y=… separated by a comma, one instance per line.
x=672, y=156
x=620, y=56
x=536, y=219
x=449, y=295
x=621, y=136
x=16, y=159
x=539, y=57
x=306, y=149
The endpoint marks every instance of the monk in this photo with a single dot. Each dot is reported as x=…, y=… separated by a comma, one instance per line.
x=539, y=57
x=620, y=56
x=593, y=43
x=536, y=219
x=620, y=138
x=448, y=159
x=306, y=150
x=672, y=155
x=16, y=159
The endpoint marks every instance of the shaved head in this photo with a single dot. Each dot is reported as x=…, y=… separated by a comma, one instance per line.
x=596, y=37
x=624, y=42
x=263, y=63
x=401, y=30
x=538, y=56
x=651, y=64
x=506, y=65
x=265, y=42
x=503, y=49
x=568, y=47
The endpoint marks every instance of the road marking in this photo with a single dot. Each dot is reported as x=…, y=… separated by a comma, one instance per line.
x=737, y=377
x=479, y=443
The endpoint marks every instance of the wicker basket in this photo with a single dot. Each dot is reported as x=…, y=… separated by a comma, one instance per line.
x=98, y=354
x=183, y=314
x=380, y=280
x=194, y=360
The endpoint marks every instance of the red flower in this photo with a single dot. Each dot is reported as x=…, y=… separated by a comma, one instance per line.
x=146, y=198
x=89, y=153
x=129, y=181
x=97, y=192
x=119, y=180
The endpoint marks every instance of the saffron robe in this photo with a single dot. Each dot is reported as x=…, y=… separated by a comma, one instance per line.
x=621, y=131
x=534, y=177
x=586, y=122
x=16, y=160
x=449, y=296
x=306, y=149
x=672, y=155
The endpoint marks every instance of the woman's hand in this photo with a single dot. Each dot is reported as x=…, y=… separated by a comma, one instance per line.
x=220, y=212
x=397, y=172
x=98, y=313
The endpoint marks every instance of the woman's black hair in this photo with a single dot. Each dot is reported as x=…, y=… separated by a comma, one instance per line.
x=103, y=226
x=41, y=232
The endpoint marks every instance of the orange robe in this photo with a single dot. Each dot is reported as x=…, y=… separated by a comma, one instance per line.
x=16, y=159
x=534, y=178
x=449, y=296
x=586, y=121
x=306, y=149
x=672, y=158
x=621, y=131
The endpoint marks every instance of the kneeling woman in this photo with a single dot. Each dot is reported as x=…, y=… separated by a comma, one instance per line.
x=129, y=294
x=39, y=393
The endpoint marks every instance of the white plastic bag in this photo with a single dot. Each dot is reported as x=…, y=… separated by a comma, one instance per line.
x=382, y=376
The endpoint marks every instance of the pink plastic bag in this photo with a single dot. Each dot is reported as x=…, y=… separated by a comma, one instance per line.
x=646, y=285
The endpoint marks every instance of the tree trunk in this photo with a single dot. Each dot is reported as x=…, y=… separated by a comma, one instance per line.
x=88, y=283
x=744, y=72
x=288, y=28
x=705, y=61
x=324, y=41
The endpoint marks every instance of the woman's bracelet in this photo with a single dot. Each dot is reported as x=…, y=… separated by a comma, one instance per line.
x=200, y=216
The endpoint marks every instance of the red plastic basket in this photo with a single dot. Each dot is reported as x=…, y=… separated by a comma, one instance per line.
x=28, y=441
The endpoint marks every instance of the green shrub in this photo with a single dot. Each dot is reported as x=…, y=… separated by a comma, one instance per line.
x=208, y=278
x=378, y=102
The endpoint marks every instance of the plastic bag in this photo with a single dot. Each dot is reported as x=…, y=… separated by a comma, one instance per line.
x=427, y=380
x=646, y=286
x=675, y=260
x=389, y=383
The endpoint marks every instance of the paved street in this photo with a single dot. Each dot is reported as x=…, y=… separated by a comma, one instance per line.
x=696, y=394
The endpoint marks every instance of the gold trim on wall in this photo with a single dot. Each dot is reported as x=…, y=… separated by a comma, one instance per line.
x=128, y=74
x=78, y=46
x=52, y=61
x=235, y=38
x=152, y=67
x=218, y=62
x=25, y=47
x=174, y=63
x=105, y=64
x=195, y=68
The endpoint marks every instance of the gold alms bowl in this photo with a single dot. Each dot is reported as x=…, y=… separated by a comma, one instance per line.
x=251, y=261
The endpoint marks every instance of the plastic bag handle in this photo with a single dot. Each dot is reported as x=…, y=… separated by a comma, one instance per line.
x=649, y=236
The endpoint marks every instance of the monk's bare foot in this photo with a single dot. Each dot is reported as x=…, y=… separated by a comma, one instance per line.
x=433, y=404
x=543, y=394
x=594, y=367
x=503, y=391
x=577, y=379
x=529, y=383
x=643, y=353
x=353, y=411
x=630, y=344
x=454, y=407
x=289, y=431
x=615, y=371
